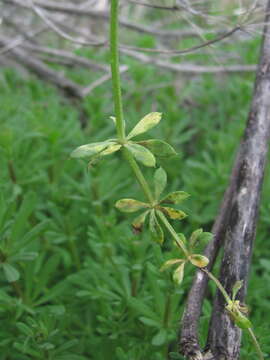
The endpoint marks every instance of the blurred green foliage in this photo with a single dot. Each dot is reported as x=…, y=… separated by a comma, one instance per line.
x=76, y=283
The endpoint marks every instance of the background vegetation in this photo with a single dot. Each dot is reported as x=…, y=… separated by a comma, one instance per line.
x=88, y=287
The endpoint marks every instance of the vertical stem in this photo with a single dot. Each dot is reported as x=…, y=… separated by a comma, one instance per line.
x=169, y=227
x=117, y=97
x=139, y=175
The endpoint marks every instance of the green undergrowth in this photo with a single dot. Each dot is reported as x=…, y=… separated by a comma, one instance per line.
x=76, y=283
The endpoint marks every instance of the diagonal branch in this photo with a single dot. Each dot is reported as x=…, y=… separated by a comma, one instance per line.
x=236, y=224
x=224, y=338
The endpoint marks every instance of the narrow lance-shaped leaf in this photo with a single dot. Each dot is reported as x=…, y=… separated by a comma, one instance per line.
x=145, y=124
x=175, y=197
x=158, y=147
x=138, y=222
x=90, y=149
x=160, y=181
x=178, y=274
x=173, y=213
x=237, y=286
x=142, y=154
x=170, y=262
x=155, y=229
x=11, y=273
x=130, y=205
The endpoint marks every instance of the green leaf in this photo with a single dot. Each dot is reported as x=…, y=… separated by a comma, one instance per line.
x=175, y=197
x=160, y=181
x=178, y=274
x=160, y=338
x=110, y=149
x=138, y=222
x=27, y=207
x=145, y=124
x=240, y=320
x=170, y=262
x=205, y=238
x=90, y=149
x=199, y=260
x=158, y=147
x=149, y=322
x=236, y=287
x=141, y=154
x=155, y=229
x=130, y=205
x=11, y=273
x=173, y=213
x=194, y=238
x=26, y=330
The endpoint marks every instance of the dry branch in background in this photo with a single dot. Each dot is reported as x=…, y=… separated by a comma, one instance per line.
x=236, y=224
x=50, y=18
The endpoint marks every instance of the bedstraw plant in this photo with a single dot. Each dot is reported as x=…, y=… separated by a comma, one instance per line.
x=157, y=210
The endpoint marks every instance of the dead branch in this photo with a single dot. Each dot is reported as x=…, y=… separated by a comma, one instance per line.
x=188, y=68
x=237, y=224
x=224, y=338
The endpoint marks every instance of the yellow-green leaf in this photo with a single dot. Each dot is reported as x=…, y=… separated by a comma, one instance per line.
x=110, y=149
x=173, y=213
x=142, y=154
x=137, y=223
x=236, y=287
x=171, y=262
x=130, y=205
x=178, y=274
x=158, y=147
x=90, y=149
x=175, y=197
x=199, y=260
x=160, y=181
x=155, y=229
x=145, y=124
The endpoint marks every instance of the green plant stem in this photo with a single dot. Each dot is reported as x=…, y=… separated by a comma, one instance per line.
x=256, y=344
x=139, y=175
x=169, y=227
x=218, y=284
x=117, y=96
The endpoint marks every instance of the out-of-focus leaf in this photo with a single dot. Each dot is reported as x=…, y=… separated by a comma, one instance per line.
x=160, y=338
x=11, y=273
x=141, y=154
x=145, y=124
x=130, y=205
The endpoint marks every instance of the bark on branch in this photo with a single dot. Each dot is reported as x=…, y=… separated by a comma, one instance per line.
x=237, y=222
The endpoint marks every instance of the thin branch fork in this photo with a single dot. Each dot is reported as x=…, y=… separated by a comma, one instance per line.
x=239, y=214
